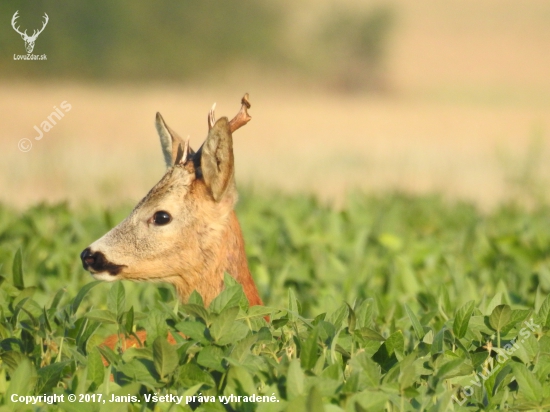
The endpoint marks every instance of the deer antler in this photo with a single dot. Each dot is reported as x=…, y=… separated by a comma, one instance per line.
x=238, y=121
x=15, y=17
x=242, y=117
x=35, y=32
x=211, y=117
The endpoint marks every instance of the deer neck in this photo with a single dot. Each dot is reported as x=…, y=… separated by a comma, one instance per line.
x=234, y=260
x=226, y=253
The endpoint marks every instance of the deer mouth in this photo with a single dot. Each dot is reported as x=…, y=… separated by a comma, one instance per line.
x=98, y=265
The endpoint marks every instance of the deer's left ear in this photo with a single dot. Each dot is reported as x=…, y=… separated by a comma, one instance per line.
x=174, y=149
x=217, y=161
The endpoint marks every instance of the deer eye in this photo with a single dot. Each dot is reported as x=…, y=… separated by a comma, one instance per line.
x=161, y=218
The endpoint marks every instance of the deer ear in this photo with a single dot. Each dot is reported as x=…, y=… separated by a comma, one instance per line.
x=174, y=148
x=217, y=159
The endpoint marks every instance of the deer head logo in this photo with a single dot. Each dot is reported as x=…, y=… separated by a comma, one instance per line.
x=29, y=40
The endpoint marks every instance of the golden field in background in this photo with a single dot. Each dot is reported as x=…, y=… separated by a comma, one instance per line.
x=466, y=114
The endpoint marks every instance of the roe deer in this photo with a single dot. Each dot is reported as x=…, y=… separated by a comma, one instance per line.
x=184, y=231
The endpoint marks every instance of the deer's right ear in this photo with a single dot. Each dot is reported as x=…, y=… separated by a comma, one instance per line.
x=174, y=148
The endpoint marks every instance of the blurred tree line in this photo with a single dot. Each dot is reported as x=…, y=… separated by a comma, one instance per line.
x=188, y=40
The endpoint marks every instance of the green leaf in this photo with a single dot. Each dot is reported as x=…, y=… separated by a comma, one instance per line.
x=165, y=357
x=338, y=316
x=229, y=281
x=437, y=345
x=448, y=368
x=544, y=311
x=396, y=344
x=225, y=330
x=137, y=352
x=57, y=298
x=228, y=298
x=21, y=300
x=527, y=347
x=238, y=331
x=102, y=316
x=501, y=375
x=196, y=311
x=314, y=402
x=496, y=301
x=191, y=374
x=139, y=370
x=256, y=312
x=462, y=319
x=500, y=317
x=96, y=370
x=418, y=329
x=194, y=330
x=295, y=380
x=516, y=316
x=108, y=354
x=195, y=299
x=407, y=376
x=370, y=371
x=293, y=307
x=238, y=377
x=17, y=270
x=12, y=359
x=352, y=383
x=49, y=376
x=352, y=319
x=371, y=335
x=529, y=386
x=242, y=349
x=129, y=325
x=309, y=353
x=22, y=381
x=211, y=357
x=155, y=325
x=116, y=299
x=367, y=401
x=47, y=323
x=365, y=313
x=81, y=294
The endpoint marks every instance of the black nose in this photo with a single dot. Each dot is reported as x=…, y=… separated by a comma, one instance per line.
x=88, y=258
x=97, y=262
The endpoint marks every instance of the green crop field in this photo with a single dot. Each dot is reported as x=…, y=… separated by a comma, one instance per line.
x=392, y=303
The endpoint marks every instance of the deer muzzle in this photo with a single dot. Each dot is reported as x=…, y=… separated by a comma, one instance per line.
x=96, y=262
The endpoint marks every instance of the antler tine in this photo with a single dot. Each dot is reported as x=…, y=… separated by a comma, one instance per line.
x=14, y=18
x=46, y=20
x=37, y=32
x=211, y=117
x=186, y=149
x=242, y=117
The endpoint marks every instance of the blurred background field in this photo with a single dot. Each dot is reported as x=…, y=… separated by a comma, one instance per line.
x=417, y=96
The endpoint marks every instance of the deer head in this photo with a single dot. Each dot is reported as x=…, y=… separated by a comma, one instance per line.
x=29, y=40
x=184, y=231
